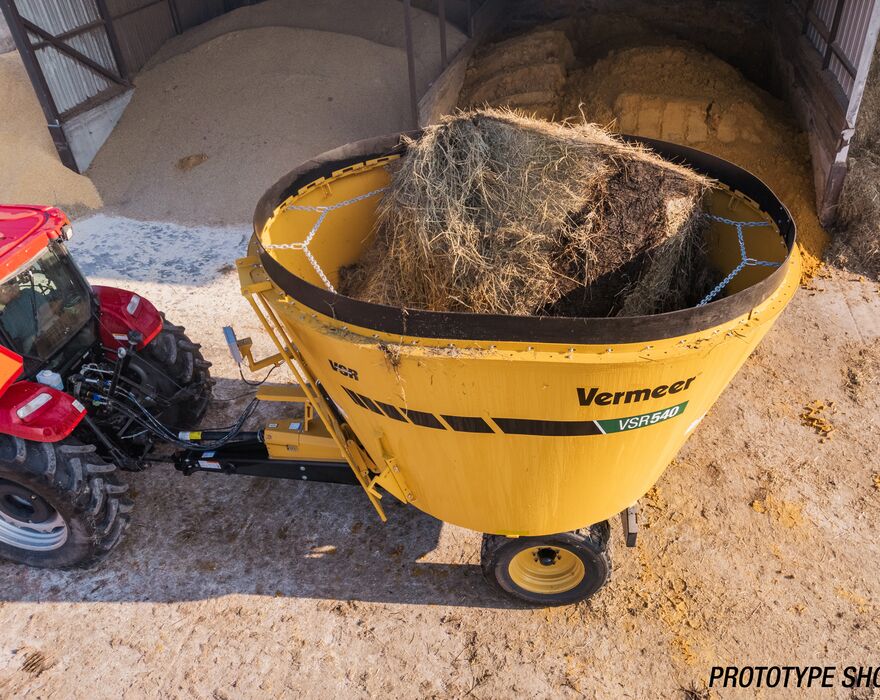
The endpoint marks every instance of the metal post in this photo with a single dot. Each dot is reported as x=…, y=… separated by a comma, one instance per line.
x=175, y=16
x=807, y=8
x=121, y=65
x=441, y=13
x=411, y=63
x=832, y=34
x=38, y=81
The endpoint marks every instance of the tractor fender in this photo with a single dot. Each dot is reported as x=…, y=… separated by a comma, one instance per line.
x=122, y=311
x=38, y=412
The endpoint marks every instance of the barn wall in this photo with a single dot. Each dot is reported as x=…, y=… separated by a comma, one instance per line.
x=142, y=26
x=825, y=94
x=6, y=42
x=193, y=12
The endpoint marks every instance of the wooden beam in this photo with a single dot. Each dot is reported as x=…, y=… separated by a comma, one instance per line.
x=73, y=53
x=830, y=196
x=411, y=63
x=113, y=40
x=807, y=9
x=71, y=33
x=50, y=110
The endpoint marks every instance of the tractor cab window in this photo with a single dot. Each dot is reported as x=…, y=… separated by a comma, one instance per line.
x=44, y=305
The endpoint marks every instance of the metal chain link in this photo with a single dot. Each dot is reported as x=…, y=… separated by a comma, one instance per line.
x=304, y=245
x=745, y=260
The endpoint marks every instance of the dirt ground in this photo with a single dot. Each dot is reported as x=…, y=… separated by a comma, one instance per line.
x=760, y=545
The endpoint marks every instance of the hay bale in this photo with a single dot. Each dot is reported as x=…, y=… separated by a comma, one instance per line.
x=527, y=72
x=491, y=212
x=859, y=215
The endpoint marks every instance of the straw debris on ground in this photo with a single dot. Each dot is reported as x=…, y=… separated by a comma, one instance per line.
x=493, y=212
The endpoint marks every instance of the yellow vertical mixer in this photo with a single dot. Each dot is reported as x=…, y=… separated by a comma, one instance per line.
x=533, y=430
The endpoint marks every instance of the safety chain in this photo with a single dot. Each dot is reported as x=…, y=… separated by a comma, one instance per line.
x=745, y=261
x=304, y=245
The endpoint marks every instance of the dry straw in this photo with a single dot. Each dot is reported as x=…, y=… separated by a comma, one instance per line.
x=493, y=212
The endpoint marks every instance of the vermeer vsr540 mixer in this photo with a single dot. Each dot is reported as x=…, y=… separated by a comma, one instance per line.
x=532, y=430
x=535, y=430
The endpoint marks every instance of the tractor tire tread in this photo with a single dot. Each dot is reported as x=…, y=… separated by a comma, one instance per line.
x=183, y=362
x=91, y=495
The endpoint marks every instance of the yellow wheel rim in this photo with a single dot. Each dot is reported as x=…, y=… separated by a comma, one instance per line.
x=546, y=570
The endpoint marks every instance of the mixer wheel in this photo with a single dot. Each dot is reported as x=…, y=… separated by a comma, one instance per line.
x=551, y=569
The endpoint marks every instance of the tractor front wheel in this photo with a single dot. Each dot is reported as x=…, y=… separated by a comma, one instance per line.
x=549, y=570
x=61, y=505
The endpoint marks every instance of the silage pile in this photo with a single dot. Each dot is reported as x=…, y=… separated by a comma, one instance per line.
x=492, y=212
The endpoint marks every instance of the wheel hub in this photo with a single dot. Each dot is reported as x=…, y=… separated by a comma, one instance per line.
x=546, y=570
x=28, y=521
x=546, y=556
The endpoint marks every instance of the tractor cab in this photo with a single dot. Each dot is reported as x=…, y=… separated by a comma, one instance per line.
x=107, y=349
x=46, y=312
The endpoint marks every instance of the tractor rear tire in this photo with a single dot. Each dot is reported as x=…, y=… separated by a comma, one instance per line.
x=182, y=361
x=549, y=570
x=61, y=505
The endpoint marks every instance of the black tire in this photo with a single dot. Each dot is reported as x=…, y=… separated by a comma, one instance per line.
x=588, y=546
x=46, y=483
x=181, y=360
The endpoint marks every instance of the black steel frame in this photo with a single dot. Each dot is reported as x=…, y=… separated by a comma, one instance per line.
x=251, y=458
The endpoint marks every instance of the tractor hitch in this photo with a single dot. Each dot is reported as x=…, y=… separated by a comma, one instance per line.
x=250, y=457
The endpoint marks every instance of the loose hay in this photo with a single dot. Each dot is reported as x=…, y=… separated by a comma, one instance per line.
x=492, y=212
x=859, y=213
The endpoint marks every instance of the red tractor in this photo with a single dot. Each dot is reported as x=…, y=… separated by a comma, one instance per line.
x=91, y=379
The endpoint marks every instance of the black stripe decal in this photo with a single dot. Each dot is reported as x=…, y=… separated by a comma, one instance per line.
x=526, y=426
x=354, y=397
x=390, y=411
x=368, y=403
x=468, y=424
x=426, y=420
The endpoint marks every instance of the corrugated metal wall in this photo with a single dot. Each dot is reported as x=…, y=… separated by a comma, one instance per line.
x=193, y=12
x=142, y=27
x=848, y=37
x=70, y=82
x=851, y=38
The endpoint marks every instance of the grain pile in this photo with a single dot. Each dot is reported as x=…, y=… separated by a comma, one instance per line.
x=30, y=170
x=527, y=73
x=492, y=212
x=238, y=110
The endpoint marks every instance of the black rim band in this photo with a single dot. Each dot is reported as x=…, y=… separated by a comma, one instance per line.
x=537, y=329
